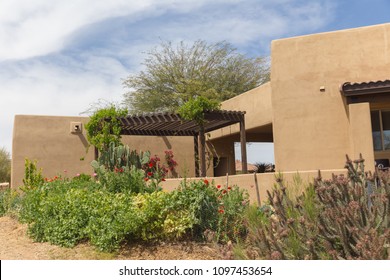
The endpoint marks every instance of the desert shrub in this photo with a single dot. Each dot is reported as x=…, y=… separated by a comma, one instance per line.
x=82, y=178
x=124, y=179
x=10, y=202
x=112, y=219
x=5, y=165
x=342, y=218
x=107, y=213
x=201, y=199
x=32, y=175
x=232, y=207
x=215, y=210
x=56, y=212
x=67, y=212
x=162, y=219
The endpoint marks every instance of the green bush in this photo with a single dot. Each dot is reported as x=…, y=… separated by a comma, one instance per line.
x=5, y=165
x=32, y=175
x=233, y=205
x=10, y=202
x=213, y=209
x=125, y=179
x=67, y=212
x=121, y=208
x=56, y=212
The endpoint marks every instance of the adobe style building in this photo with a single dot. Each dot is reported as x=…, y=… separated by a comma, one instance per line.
x=329, y=96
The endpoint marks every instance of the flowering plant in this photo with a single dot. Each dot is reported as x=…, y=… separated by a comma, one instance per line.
x=156, y=172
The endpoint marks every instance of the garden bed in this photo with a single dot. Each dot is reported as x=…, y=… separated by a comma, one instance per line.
x=16, y=245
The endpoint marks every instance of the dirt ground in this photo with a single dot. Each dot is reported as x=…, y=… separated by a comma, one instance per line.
x=16, y=245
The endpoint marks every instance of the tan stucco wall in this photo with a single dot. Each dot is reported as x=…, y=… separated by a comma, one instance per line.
x=312, y=127
x=258, y=124
x=360, y=132
x=257, y=105
x=182, y=147
x=48, y=140
x=294, y=181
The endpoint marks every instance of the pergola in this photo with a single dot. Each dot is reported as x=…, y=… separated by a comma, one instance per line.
x=171, y=124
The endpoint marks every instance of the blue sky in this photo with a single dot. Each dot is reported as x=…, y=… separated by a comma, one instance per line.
x=59, y=57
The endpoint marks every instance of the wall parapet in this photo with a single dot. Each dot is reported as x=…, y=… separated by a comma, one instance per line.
x=258, y=184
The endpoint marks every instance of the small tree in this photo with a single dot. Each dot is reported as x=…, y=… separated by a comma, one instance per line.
x=194, y=109
x=5, y=165
x=174, y=75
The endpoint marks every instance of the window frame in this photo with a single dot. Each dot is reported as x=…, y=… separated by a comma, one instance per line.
x=382, y=138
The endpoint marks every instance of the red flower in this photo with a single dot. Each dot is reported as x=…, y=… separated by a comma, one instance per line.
x=151, y=164
x=206, y=182
x=229, y=188
x=150, y=174
x=224, y=191
x=221, y=211
x=146, y=179
x=219, y=186
x=163, y=179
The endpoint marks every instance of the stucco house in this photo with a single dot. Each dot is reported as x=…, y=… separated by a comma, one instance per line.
x=329, y=96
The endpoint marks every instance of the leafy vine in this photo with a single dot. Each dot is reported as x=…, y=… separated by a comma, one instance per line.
x=104, y=127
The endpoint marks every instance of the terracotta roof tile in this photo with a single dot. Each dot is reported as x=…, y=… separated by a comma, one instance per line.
x=371, y=87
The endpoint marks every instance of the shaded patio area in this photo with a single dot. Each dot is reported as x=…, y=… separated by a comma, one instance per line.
x=171, y=124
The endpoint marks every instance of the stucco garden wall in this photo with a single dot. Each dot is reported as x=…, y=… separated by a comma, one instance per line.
x=294, y=181
x=48, y=140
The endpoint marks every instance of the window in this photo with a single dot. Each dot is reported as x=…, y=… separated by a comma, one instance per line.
x=380, y=123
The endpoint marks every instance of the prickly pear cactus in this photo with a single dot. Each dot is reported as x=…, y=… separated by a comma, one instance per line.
x=120, y=156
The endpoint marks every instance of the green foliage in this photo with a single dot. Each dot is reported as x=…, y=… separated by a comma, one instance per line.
x=67, y=212
x=126, y=180
x=175, y=74
x=104, y=127
x=10, y=201
x=5, y=166
x=82, y=178
x=341, y=218
x=232, y=208
x=217, y=212
x=194, y=108
x=32, y=175
x=118, y=156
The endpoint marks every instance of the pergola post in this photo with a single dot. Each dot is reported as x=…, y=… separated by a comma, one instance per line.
x=202, y=144
x=196, y=155
x=243, y=146
x=96, y=153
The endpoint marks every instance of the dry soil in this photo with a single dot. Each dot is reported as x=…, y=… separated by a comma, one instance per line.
x=16, y=245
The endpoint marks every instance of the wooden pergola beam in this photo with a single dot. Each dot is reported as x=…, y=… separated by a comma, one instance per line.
x=171, y=124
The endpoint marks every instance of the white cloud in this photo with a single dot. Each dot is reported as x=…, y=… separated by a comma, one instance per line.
x=43, y=73
x=31, y=28
x=43, y=88
x=37, y=27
